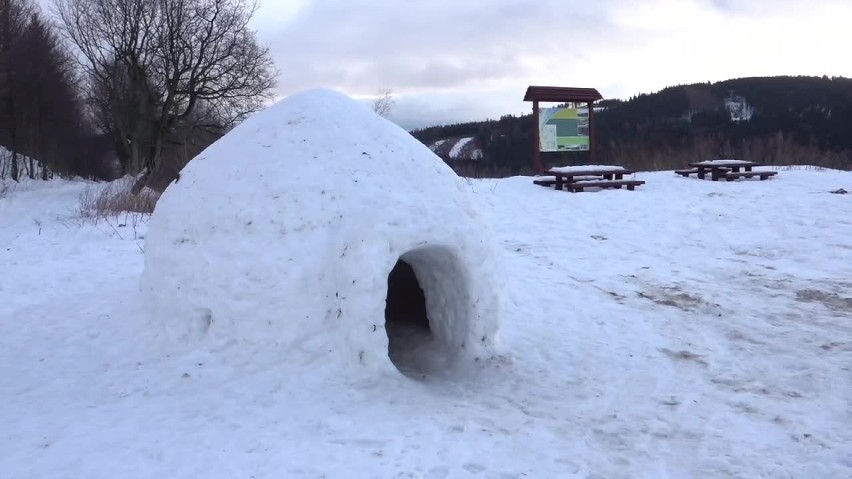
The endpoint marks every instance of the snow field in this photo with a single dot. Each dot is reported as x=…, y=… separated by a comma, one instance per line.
x=686, y=329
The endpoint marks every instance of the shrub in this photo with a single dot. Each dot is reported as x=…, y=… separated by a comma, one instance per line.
x=116, y=198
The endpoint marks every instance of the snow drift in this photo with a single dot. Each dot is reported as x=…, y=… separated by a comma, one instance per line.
x=323, y=229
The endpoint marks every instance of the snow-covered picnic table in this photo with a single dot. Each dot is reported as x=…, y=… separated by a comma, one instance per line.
x=727, y=169
x=576, y=178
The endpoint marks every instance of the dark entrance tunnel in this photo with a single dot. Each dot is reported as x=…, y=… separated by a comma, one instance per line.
x=406, y=319
x=427, y=312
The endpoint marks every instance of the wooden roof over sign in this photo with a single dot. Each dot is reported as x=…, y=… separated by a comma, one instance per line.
x=555, y=93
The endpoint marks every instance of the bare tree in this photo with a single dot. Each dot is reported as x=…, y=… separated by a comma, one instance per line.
x=384, y=103
x=158, y=68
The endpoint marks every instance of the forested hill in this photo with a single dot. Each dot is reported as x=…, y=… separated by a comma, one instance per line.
x=775, y=120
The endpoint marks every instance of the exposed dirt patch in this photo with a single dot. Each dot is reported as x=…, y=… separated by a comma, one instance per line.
x=744, y=408
x=741, y=336
x=831, y=301
x=760, y=252
x=755, y=388
x=619, y=298
x=776, y=284
x=684, y=355
x=675, y=297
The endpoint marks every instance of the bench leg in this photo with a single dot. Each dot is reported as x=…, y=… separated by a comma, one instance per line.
x=630, y=187
x=558, y=184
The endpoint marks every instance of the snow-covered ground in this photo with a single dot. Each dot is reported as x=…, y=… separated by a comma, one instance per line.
x=686, y=329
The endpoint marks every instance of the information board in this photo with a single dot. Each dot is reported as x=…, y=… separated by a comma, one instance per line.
x=564, y=128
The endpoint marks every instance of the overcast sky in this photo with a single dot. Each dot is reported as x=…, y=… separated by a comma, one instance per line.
x=449, y=61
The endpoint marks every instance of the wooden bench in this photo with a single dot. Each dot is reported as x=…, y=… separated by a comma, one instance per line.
x=550, y=181
x=731, y=176
x=545, y=182
x=578, y=186
x=686, y=173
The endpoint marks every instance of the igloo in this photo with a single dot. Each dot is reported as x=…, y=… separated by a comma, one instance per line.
x=319, y=228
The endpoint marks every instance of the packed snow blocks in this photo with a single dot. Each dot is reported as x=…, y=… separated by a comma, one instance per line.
x=321, y=229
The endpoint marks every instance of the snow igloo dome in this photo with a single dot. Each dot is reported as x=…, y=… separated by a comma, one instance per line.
x=321, y=228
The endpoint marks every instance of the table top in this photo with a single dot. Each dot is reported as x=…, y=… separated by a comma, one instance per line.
x=724, y=163
x=585, y=168
x=591, y=173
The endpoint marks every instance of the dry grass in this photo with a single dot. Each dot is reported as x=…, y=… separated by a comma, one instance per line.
x=472, y=170
x=801, y=167
x=115, y=199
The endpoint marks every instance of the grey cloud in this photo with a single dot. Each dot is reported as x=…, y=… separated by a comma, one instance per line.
x=419, y=111
x=766, y=7
x=411, y=45
x=427, y=51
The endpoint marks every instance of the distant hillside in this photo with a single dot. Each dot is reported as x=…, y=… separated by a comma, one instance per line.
x=465, y=148
x=775, y=120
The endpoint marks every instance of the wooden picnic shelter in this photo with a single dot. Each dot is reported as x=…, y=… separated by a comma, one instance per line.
x=537, y=94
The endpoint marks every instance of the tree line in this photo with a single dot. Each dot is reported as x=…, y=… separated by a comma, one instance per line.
x=108, y=88
x=41, y=112
x=775, y=120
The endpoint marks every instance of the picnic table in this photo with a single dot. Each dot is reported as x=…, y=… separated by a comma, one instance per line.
x=725, y=169
x=577, y=178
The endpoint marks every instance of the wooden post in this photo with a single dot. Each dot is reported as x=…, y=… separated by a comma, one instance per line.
x=537, y=166
x=592, y=159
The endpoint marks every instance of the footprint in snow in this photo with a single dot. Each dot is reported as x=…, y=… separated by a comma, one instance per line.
x=474, y=468
x=437, y=473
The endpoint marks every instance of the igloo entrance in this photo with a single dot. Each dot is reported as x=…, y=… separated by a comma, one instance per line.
x=426, y=311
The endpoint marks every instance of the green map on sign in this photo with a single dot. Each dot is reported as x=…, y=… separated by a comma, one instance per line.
x=564, y=129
